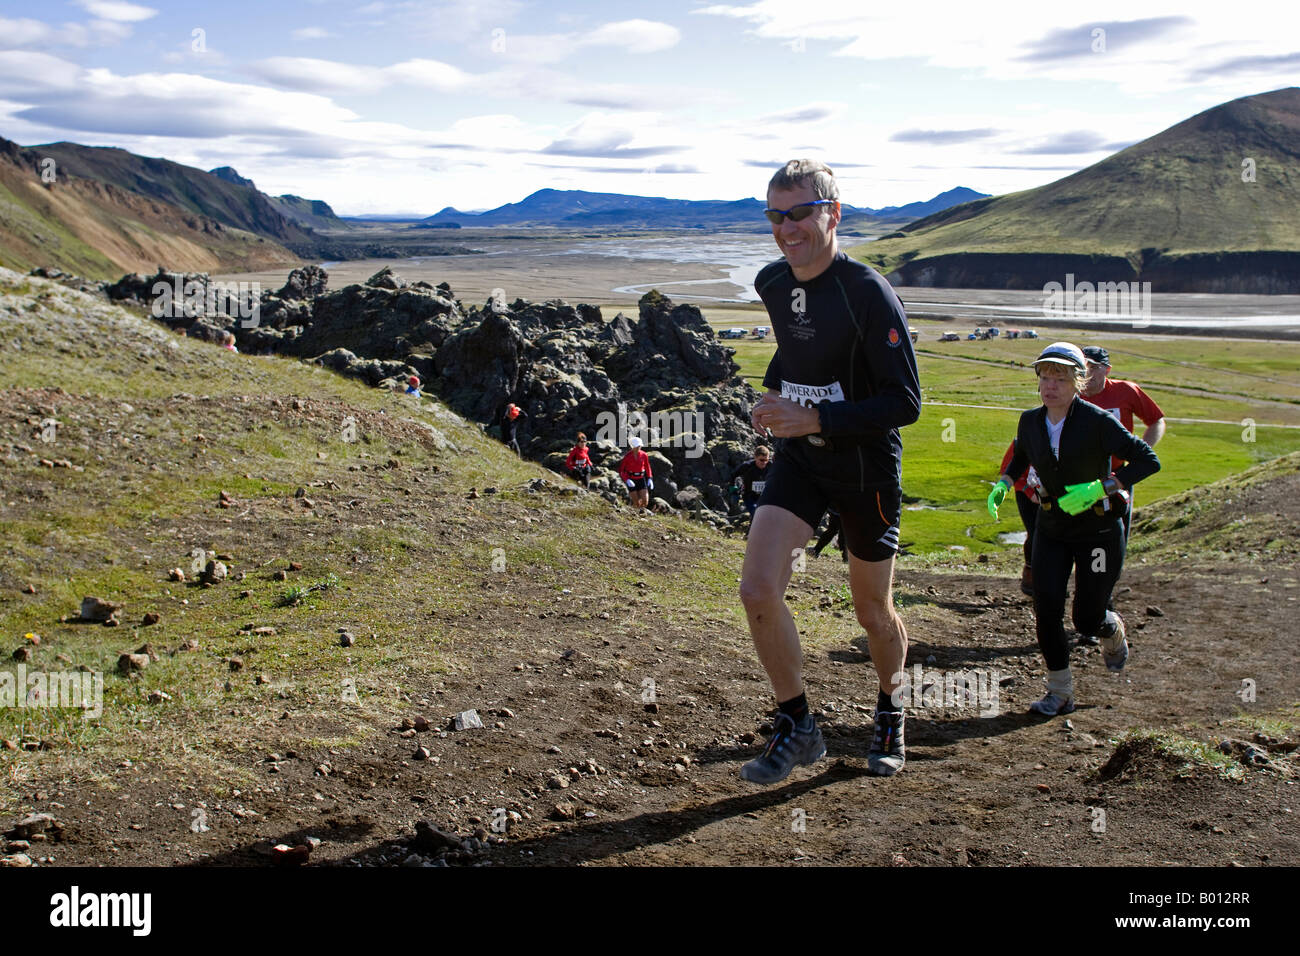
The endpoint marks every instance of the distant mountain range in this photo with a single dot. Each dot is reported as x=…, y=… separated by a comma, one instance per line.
x=1211, y=204
x=578, y=208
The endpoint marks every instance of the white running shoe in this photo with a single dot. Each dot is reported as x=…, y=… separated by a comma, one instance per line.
x=1114, y=649
x=1053, y=704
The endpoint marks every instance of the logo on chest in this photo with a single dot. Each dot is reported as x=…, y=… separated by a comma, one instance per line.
x=801, y=325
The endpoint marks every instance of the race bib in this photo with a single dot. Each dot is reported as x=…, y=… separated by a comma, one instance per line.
x=812, y=395
x=759, y=486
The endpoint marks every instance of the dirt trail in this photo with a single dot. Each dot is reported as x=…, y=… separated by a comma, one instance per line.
x=997, y=790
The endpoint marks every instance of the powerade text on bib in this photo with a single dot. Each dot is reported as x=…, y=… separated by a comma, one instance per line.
x=811, y=395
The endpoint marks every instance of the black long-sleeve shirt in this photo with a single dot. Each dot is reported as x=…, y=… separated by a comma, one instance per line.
x=1089, y=437
x=752, y=478
x=843, y=346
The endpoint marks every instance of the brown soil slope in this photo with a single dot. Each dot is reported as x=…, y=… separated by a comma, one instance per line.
x=605, y=653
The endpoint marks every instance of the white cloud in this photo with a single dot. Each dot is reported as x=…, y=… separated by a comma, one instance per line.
x=24, y=32
x=1152, y=47
x=311, y=33
x=635, y=36
x=318, y=76
x=331, y=76
x=812, y=113
x=631, y=36
x=431, y=74
x=614, y=136
x=117, y=10
x=310, y=75
x=16, y=34
x=23, y=70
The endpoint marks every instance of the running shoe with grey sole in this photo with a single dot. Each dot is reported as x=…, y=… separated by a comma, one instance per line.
x=1114, y=649
x=1052, y=705
x=787, y=748
x=887, y=754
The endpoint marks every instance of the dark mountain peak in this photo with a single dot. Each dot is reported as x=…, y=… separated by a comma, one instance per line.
x=229, y=175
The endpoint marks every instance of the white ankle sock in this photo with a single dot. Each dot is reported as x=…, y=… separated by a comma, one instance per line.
x=1061, y=683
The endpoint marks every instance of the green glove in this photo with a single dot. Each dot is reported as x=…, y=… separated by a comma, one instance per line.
x=1079, y=498
x=996, y=497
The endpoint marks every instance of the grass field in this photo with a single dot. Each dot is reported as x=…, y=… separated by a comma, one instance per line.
x=951, y=455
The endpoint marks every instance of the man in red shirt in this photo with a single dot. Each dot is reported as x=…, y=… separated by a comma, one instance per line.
x=578, y=464
x=1122, y=399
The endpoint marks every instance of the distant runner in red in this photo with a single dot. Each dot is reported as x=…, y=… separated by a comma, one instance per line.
x=634, y=469
x=1124, y=400
x=578, y=464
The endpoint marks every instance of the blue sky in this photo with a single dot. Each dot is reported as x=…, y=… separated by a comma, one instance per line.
x=411, y=106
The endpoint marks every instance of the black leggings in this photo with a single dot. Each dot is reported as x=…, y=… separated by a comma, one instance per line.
x=1029, y=517
x=1097, y=561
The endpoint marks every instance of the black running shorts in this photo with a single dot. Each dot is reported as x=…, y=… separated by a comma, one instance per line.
x=638, y=484
x=869, y=518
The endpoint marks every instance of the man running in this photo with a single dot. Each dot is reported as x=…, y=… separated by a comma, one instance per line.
x=841, y=383
x=751, y=478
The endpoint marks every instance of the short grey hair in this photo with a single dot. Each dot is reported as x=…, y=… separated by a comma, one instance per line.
x=807, y=172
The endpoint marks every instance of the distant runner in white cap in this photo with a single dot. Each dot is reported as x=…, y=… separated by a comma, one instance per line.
x=634, y=469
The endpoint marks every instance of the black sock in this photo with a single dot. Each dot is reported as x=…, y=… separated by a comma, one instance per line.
x=885, y=704
x=796, y=708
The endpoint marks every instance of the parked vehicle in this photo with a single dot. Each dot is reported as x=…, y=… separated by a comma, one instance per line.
x=733, y=333
x=914, y=334
x=761, y=332
x=950, y=337
x=1029, y=334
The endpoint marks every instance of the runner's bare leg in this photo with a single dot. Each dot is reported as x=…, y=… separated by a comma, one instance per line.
x=773, y=535
x=871, y=583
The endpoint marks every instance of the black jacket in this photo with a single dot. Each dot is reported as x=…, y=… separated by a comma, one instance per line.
x=843, y=333
x=1089, y=438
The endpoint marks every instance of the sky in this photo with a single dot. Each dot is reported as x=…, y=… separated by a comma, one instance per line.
x=414, y=105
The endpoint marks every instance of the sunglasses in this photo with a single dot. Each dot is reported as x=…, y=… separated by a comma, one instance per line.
x=796, y=213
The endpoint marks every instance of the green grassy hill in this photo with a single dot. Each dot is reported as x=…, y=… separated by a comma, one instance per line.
x=1175, y=194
